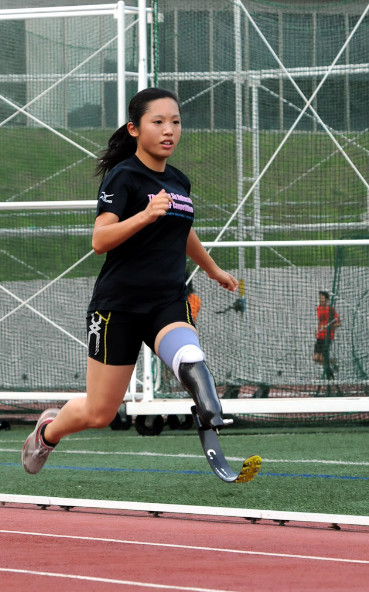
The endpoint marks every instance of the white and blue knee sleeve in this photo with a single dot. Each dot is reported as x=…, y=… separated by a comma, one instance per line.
x=180, y=345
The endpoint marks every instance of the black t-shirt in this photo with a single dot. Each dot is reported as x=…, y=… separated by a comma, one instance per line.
x=146, y=271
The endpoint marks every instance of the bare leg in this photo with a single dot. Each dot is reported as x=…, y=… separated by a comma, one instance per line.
x=106, y=387
x=318, y=358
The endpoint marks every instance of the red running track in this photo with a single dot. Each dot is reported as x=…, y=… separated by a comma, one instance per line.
x=102, y=551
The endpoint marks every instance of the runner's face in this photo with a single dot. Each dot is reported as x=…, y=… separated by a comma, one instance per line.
x=158, y=133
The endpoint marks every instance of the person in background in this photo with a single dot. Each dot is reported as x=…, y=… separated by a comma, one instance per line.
x=328, y=322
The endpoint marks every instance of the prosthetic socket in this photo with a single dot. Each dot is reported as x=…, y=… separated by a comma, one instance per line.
x=180, y=350
x=197, y=379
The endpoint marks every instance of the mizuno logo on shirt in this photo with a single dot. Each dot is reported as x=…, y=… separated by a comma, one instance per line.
x=104, y=197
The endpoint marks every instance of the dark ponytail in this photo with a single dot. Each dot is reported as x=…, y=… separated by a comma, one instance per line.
x=122, y=145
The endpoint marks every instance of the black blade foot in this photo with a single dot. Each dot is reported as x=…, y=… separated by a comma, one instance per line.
x=215, y=457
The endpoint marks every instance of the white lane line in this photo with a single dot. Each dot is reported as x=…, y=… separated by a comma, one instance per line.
x=188, y=547
x=200, y=456
x=110, y=581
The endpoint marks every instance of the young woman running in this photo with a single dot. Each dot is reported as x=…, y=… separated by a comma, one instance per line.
x=144, y=225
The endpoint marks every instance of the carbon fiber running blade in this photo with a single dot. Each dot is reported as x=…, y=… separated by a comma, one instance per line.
x=216, y=459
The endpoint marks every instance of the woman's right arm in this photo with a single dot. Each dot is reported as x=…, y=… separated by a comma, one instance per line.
x=109, y=233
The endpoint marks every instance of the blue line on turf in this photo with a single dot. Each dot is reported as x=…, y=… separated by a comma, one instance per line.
x=312, y=476
x=111, y=470
x=168, y=472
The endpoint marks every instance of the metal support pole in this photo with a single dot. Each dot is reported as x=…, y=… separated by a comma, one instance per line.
x=256, y=170
x=121, y=63
x=239, y=133
x=155, y=42
x=148, y=387
x=257, y=235
x=142, y=33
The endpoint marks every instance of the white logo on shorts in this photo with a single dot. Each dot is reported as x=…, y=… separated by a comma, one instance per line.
x=95, y=330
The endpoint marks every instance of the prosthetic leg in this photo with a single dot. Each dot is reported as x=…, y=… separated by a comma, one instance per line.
x=198, y=381
x=207, y=414
x=180, y=350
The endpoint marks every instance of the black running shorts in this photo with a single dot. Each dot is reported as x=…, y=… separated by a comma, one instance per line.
x=319, y=347
x=116, y=337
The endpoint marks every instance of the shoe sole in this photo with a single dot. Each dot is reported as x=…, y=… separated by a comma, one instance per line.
x=250, y=469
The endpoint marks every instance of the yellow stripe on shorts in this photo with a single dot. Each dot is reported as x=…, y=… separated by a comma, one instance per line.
x=189, y=320
x=105, y=333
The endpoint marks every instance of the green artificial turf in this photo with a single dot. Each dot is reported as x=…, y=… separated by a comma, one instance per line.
x=304, y=470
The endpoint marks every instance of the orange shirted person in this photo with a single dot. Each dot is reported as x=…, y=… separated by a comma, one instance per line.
x=193, y=299
x=195, y=304
x=328, y=320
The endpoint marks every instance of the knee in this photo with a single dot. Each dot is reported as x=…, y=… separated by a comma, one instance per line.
x=180, y=345
x=100, y=419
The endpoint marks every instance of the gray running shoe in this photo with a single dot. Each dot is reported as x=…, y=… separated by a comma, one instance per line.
x=35, y=452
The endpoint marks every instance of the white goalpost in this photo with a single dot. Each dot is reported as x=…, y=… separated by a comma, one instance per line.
x=261, y=229
x=141, y=399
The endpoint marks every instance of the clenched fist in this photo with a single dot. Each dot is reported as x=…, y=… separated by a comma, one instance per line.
x=158, y=205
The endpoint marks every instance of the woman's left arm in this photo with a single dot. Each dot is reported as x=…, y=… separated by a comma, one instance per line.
x=201, y=257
